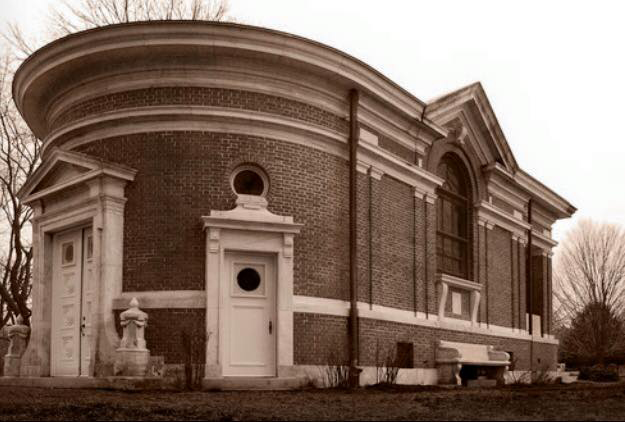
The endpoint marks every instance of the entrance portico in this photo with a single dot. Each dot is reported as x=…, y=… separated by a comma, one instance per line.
x=249, y=322
x=78, y=225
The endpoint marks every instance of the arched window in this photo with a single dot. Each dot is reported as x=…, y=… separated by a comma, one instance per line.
x=453, y=226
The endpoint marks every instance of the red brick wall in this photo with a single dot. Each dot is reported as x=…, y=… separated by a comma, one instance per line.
x=396, y=148
x=431, y=291
x=499, y=277
x=393, y=248
x=230, y=98
x=320, y=339
x=421, y=252
x=164, y=334
x=183, y=175
x=364, y=183
x=522, y=253
x=313, y=335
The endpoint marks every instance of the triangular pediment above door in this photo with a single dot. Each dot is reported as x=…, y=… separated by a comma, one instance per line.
x=63, y=169
x=467, y=113
x=60, y=173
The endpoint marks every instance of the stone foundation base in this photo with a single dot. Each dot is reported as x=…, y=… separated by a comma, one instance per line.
x=131, y=362
x=12, y=366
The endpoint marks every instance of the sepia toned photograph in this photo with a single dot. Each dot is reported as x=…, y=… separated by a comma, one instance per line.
x=308, y=210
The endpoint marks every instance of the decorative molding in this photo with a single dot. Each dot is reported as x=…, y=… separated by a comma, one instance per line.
x=362, y=167
x=375, y=173
x=490, y=214
x=317, y=137
x=366, y=136
x=165, y=299
x=114, y=176
x=396, y=127
x=213, y=239
x=430, y=198
x=157, y=118
x=222, y=76
x=501, y=183
x=251, y=229
x=254, y=169
x=340, y=308
x=245, y=122
x=446, y=281
x=516, y=238
x=553, y=202
x=288, y=245
x=458, y=282
x=190, y=37
x=542, y=241
x=402, y=170
x=250, y=214
x=483, y=222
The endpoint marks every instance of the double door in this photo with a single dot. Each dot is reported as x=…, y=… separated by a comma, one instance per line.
x=72, y=302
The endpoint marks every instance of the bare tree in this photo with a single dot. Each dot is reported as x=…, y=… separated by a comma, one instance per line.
x=19, y=156
x=72, y=16
x=589, y=279
x=19, y=148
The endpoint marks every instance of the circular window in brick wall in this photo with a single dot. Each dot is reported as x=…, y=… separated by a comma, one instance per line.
x=249, y=180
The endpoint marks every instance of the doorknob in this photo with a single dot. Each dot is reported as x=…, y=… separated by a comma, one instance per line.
x=270, y=327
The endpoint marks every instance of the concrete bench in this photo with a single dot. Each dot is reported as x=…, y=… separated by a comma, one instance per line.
x=451, y=357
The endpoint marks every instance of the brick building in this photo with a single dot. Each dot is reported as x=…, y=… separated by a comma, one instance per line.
x=249, y=187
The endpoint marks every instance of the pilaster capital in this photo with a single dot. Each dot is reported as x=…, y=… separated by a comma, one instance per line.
x=376, y=173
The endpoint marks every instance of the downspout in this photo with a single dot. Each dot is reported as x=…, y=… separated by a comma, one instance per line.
x=530, y=281
x=425, y=227
x=354, y=129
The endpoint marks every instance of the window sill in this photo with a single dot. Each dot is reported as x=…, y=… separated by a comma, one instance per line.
x=445, y=281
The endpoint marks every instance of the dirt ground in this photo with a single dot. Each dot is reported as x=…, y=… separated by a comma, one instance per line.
x=557, y=402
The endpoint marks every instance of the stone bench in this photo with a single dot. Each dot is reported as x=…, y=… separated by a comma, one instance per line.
x=452, y=357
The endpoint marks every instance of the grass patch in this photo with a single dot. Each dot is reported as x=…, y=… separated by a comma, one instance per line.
x=389, y=402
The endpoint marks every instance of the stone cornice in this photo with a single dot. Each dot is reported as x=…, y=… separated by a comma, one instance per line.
x=335, y=307
x=47, y=66
x=502, y=184
x=94, y=169
x=408, y=173
x=251, y=214
x=165, y=299
x=219, y=119
x=542, y=241
x=474, y=94
x=553, y=202
x=461, y=283
x=494, y=215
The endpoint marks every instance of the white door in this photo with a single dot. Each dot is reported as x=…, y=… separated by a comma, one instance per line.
x=249, y=326
x=71, y=302
x=88, y=292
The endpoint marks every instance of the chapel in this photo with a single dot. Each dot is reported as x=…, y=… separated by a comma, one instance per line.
x=275, y=206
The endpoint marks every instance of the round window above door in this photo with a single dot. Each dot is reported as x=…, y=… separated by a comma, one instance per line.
x=249, y=180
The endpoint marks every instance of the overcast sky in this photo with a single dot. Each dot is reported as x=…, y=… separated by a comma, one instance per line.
x=554, y=72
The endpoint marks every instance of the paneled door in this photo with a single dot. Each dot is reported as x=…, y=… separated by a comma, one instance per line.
x=72, y=299
x=249, y=326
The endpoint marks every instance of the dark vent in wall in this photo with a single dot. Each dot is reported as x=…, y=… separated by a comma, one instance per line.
x=405, y=355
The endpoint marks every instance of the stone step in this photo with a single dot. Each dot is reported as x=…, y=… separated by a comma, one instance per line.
x=114, y=383
x=155, y=383
x=253, y=383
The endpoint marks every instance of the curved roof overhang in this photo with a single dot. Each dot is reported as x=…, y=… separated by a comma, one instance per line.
x=69, y=60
